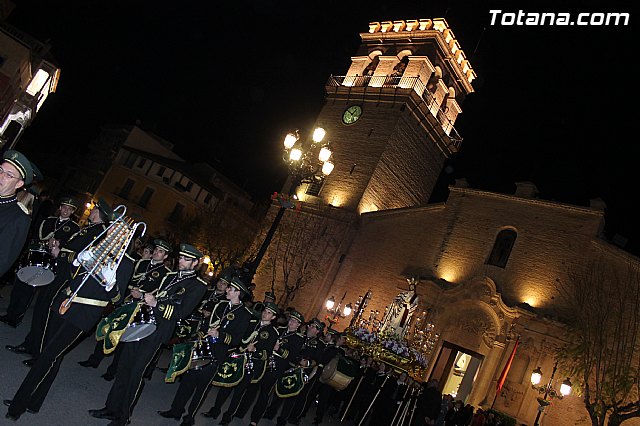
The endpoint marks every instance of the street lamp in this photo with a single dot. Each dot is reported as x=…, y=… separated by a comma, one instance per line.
x=548, y=390
x=308, y=162
x=337, y=311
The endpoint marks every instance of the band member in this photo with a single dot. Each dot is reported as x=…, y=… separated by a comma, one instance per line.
x=326, y=393
x=177, y=297
x=269, y=296
x=228, y=324
x=260, y=345
x=285, y=352
x=61, y=227
x=65, y=255
x=311, y=358
x=66, y=326
x=147, y=276
x=216, y=296
x=53, y=231
x=15, y=172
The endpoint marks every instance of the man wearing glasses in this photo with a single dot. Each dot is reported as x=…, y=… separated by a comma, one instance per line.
x=15, y=172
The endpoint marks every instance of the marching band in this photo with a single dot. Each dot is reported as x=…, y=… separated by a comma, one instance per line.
x=90, y=281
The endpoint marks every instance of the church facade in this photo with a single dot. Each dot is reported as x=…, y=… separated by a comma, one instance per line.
x=487, y=267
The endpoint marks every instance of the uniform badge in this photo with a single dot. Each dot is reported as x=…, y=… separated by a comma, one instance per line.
x=66, y=228
x=230, y=316
x=155, y=274
x=264, y=335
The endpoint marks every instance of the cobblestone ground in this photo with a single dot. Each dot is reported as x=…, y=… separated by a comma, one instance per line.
x=77, y=389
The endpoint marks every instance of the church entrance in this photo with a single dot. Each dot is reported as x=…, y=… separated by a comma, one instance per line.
x=456, y=370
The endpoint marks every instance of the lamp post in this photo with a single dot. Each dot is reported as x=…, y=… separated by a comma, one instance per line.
x=308, y=161
x=335, y=310
x=548, y=390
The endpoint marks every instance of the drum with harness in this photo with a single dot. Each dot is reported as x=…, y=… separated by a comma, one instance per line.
x=36, y=266
x=339, y=372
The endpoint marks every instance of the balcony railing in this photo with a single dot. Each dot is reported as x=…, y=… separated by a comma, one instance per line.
x=400, y=82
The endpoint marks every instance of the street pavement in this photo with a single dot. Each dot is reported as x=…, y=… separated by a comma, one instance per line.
x=78, y=389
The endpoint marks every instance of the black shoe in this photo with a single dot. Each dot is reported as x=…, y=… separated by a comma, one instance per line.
x=212, y=413
x=9, y=321
x=170, y=414
x=13, y=417
x=29, y=362
x=188, y=421
x=108, y=377
x=87, y=363
x=103, y=413
x=8, y=402
x=119, y=422
x=226, y=419
x=281, y=422
x=18, y=349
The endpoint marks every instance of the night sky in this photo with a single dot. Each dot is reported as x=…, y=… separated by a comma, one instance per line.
x=224, y=81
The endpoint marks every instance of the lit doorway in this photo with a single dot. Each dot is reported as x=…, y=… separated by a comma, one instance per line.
x=456, y=370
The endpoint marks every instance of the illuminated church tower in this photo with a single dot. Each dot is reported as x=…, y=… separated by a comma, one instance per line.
x=390, y=119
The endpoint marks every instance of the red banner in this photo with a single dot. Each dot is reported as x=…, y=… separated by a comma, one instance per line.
x=507, y=366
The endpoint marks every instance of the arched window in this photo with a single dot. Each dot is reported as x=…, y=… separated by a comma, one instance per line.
x=502, y=248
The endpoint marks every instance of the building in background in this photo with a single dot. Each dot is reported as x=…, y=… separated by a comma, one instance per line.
x=28, y=74
x=487, y=266
x=177, y=200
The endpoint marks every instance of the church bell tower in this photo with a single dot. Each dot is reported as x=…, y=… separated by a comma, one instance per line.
x=391, y=117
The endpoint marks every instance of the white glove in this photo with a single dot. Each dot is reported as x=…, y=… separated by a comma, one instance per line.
x=109, y=276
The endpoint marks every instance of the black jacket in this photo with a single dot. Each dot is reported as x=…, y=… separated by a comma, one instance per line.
x=60, y=230
x=82, y=313
x=14, y=228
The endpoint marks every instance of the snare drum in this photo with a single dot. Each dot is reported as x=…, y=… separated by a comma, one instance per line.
x=186, y=328
x=142, y=325
x=36, y=267
x=202, y=353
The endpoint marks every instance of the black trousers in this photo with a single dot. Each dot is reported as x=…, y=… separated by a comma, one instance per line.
x=267, y=385
x=326, y=397
x=248, y=398
x=20, y=299
x=34, y=340
x=129, y=381
x=238, y=391
x=35, y=386
x=194, y=385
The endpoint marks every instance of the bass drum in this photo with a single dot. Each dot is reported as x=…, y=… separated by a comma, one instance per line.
x=143, y=325
x=36, y=267
x=339, y=372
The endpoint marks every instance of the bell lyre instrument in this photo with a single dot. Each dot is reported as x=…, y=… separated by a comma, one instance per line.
x=102, y=257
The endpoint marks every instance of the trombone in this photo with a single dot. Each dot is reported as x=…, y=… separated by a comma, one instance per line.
x=102, y=257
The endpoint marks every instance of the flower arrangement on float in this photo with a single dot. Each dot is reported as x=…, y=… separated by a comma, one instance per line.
x=387, y=347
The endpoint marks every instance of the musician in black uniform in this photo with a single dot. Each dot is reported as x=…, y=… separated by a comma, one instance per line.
x=99, y=216
x=66, y=327
x=285, y=353
x=147, y=276
x=215, y=296
x=260, y=342
x=269, y=296
x=53, y=231
x=15, y=172
x=178, y=295
x=326, y=393
x=228, y=324
x=311, y=357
